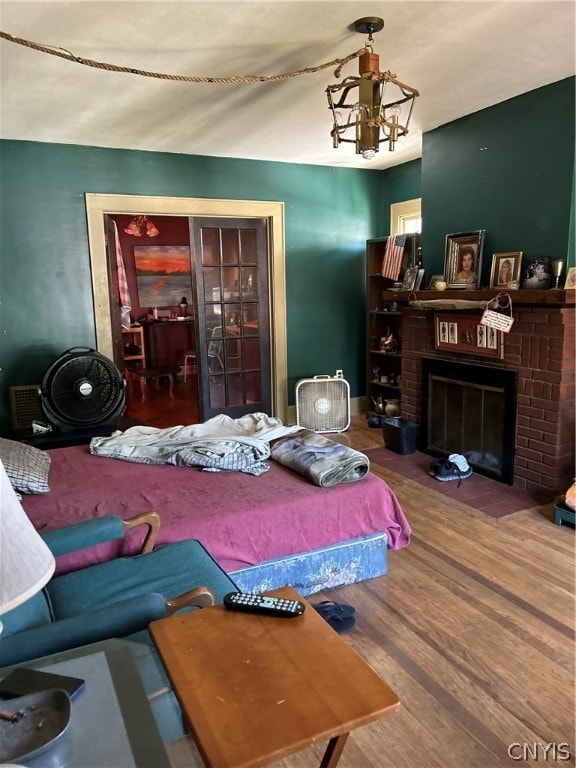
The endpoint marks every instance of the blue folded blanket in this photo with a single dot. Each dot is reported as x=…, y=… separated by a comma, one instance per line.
x=322, y=461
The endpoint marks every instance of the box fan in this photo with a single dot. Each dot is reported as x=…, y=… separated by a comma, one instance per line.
x=323, y=403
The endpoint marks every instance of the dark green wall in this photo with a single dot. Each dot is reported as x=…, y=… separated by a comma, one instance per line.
x=45, y=285
x=509, y=170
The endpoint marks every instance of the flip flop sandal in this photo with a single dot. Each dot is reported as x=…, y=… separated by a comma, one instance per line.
x=329, y=608
x=338, y=615
x=340, y=624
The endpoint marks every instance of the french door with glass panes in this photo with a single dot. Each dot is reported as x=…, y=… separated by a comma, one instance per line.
x=232, y=294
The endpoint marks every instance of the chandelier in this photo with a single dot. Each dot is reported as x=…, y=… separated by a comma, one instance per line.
x=140, y=225
x=372, y=108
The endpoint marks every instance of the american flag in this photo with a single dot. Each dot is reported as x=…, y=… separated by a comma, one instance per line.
x=393, y=253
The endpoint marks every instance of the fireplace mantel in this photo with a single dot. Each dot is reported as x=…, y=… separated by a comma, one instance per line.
x=553, y=296
x=540, y=348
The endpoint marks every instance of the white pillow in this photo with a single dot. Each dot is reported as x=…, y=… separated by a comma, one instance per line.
x=27, y=467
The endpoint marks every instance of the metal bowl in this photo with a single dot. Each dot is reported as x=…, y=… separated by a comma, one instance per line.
x=39, y=720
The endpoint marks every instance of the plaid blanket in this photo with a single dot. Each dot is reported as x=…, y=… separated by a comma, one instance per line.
x=322, y=461
x=220, y=444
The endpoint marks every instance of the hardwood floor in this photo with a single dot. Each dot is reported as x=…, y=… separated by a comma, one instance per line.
x=158, y=409
x=473, y=627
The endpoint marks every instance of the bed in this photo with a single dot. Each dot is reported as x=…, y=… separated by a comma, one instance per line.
x=266, y=531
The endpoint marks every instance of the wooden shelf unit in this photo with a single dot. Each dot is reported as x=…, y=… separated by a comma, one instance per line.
x=384, y=366
x=134, y=337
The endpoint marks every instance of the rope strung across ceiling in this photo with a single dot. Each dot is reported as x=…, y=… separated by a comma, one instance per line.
x=232, y=80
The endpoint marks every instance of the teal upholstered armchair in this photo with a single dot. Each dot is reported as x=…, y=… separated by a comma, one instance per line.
x=112, y=599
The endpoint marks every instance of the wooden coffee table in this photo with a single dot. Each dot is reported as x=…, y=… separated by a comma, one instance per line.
x=255, y=688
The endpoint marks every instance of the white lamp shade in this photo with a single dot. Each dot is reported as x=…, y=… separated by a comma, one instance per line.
x=26, y=563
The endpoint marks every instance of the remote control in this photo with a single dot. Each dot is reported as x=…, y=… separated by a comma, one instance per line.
x=271, y=606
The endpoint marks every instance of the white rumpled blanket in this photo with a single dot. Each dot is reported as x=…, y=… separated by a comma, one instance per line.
x=322, y=461
x=221, y=444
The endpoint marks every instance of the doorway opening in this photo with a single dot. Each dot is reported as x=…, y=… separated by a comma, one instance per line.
x=98, y=206
x=153, y=319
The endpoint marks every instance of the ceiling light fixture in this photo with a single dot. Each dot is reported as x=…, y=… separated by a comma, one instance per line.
x=372, y=108
x=140, y=225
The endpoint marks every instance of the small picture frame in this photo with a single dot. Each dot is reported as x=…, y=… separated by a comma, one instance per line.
x=410, y=277
x=538, y=275
x=570, y=282
x=435, y=279
x=463, y=259
x=506, y=269
x=419, y=279
x=465, y=334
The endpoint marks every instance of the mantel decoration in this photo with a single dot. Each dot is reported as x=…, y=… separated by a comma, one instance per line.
x=538, y=274
x=373, y=117
x=434, y=280
x=413, y=277
x=570, y=278
x=463, y=259
x=374, y=107
x=467, y=335
x=557, y=266
x=506, y=269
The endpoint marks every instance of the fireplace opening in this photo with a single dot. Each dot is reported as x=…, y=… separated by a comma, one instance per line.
x=470, y=409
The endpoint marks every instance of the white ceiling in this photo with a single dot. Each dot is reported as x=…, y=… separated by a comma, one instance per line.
x=462, y=55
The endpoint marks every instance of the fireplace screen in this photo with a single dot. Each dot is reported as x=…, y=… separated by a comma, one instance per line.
x=470, y=409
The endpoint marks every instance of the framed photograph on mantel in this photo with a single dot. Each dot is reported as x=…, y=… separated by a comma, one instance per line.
x=410, y=278
x=419, y=279
x=463, y=259
x=466, y=335
x=506, y=269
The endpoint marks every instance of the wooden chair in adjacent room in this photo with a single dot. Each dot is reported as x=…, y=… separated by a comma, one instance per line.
x=190, y=360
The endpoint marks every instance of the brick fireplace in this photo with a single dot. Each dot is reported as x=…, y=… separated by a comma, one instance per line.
x=471, y=410
x=541, y=350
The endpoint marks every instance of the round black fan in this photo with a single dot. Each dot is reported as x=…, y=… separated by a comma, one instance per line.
x=82, y=389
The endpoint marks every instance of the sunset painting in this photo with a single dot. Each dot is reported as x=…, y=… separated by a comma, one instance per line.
x=163, y=273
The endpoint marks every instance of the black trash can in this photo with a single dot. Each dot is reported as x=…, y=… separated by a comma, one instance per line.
x=399, y=435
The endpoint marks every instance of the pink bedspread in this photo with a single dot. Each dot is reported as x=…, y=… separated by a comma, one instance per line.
x=241, y=519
